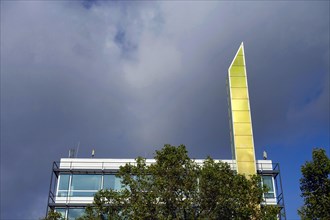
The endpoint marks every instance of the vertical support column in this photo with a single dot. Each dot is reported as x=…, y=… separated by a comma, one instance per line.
x=240, y=116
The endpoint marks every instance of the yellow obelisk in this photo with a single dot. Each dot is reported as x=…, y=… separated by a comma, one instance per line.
x=240, y=116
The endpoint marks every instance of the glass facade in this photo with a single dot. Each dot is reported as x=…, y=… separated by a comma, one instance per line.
x=63, y=185
x=71, y=213
x=86, y=185
x=75, y=213
x=62, y=211
x=268, y=181
x=112, y=182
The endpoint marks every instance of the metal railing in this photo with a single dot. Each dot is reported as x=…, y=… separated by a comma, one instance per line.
x=104, y=166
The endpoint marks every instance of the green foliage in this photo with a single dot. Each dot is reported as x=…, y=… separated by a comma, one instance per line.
x=224, y=194
x=91, y=213
x=53, y=215
x=315, y=187
x=175, y=183
x=175, y=187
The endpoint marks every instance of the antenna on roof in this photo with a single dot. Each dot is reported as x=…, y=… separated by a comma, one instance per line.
x=72, y=153
x=93, y=153
x=78, y=148
x=264, y=155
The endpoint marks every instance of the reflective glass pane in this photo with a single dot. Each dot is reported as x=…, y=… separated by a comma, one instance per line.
x=75, y=213
x=86, y=182
x=268, y=181
x=269, y=195
x=118, y=185
x=61, y=211
x=64, y=182
x=62, y=193
x=112, y=182
x=79, y=193
x=109, y=181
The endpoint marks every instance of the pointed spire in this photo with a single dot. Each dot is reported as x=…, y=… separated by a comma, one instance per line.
x=240, y=116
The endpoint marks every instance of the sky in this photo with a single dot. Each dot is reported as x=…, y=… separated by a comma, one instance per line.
x=125, y=78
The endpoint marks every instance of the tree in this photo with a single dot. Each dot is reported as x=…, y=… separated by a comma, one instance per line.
x=53, y=215
x=175, y=187
x=224, y=194
x=315, y=187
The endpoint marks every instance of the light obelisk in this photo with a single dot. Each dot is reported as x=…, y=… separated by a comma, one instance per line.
x=240, y=116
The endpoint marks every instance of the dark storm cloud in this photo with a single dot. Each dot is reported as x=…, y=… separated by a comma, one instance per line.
x=127, y=78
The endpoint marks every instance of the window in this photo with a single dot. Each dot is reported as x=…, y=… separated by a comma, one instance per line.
x=85, y=185
x=61, y=211
x=63, y=185
x=75, y=213
x=111, y=182
x=268, y=181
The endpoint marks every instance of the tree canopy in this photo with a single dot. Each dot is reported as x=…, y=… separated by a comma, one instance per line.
x=175, y=187
x=53, y=215
x=315, y=187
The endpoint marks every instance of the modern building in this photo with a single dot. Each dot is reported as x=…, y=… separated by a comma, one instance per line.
x=74, y=181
